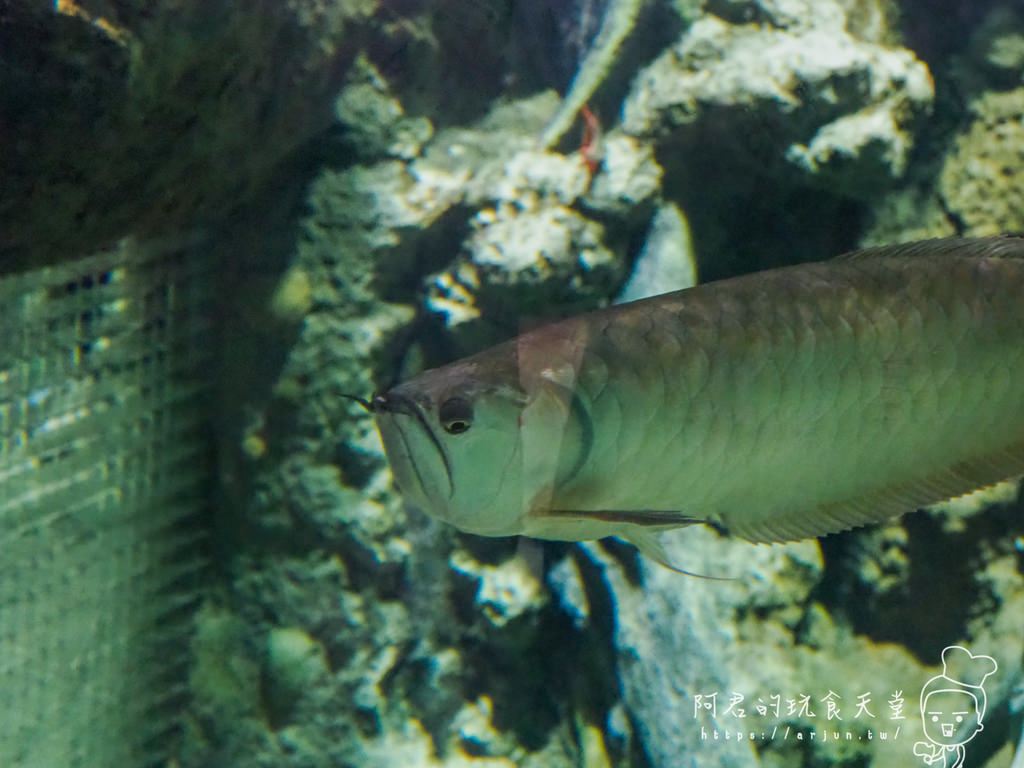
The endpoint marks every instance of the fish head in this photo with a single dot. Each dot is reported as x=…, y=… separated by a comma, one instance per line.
x=452, y=438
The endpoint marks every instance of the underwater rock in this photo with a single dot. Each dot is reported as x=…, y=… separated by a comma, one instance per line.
x=527, y=244
x=372, y=123
x=295, y=662
x=505, y=592
x=834, y=107
x=536, y=244
x=911, y=212
x=995, y=54
x=629, y=176
x=224, y=684
x=150, y=117
x=521, y=260
x=700, y=657
x=979, y=182
x=962, y=182
x=677, y=639
x=324, y=547
x=567, y=583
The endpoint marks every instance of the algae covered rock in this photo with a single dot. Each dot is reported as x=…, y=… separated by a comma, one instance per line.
x=148, y=117
x=544, y=237
x=772, y=668
x=833, y=106
x=980, y=179
x=386, y=638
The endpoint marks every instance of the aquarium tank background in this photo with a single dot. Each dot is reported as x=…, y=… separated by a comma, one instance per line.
x=218, y=219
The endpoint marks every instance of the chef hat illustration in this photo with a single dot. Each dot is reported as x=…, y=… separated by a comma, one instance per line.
x=962, y=670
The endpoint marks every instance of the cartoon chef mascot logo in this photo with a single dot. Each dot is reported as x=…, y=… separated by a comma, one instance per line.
x=952, y=707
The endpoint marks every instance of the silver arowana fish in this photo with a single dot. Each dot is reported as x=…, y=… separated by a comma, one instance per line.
x=779, y=405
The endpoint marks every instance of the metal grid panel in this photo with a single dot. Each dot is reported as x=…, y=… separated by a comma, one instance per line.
x=103, y=465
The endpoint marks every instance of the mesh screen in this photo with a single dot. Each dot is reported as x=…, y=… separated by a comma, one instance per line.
x=103, y=466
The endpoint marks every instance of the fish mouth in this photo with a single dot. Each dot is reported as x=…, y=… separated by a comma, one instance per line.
x=393, y=404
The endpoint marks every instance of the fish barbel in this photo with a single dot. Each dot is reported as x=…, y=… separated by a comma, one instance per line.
x=777, y=406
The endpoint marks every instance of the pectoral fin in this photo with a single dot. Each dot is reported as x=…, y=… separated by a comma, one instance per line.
x=643, y=533
x=642, y=517
x=647, y=543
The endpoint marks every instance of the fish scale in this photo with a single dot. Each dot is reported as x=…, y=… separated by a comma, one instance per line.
x=780, y=405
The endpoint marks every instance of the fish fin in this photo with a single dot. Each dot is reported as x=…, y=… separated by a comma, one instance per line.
x=886, y=503
x=640, y=517
x=967, y=247
x=646, y=542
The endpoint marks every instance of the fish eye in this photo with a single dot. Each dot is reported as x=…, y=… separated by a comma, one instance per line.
x=456, y=415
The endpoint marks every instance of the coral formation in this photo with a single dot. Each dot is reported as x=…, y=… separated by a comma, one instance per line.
x=375, y=590
x=977, y=180
x=842, y=108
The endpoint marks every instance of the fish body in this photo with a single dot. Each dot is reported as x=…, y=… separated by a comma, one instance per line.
x=780, y=405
